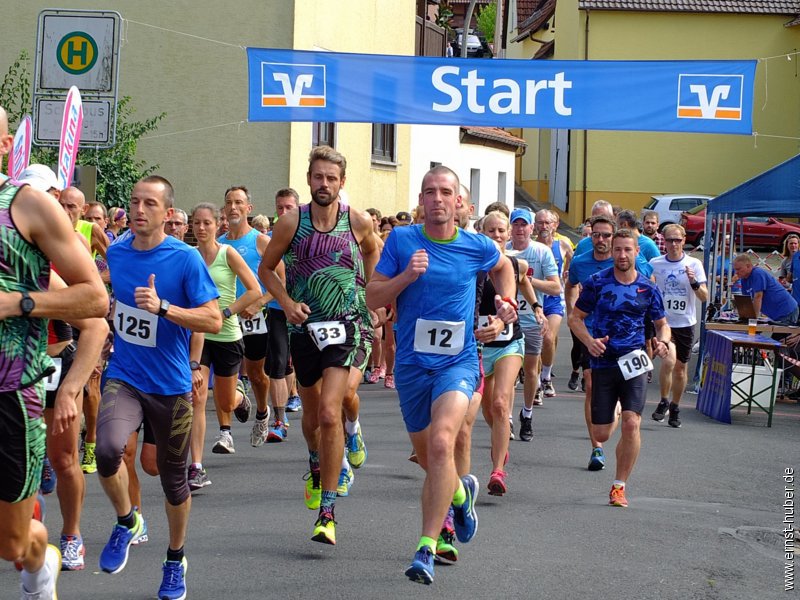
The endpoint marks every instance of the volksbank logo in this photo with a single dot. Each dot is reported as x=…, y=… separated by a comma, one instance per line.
x=286, y=84
x=710, y=97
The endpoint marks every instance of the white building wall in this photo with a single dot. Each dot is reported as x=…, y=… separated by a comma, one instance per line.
x=441, y=144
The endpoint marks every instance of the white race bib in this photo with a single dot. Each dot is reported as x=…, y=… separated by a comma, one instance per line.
x=634, y=364
x=255, y=325
x=439, y=337
x=503, y=336
x=51, y=383
x=675, y=305
x=524, y=306
x=135, y=326
x=327, y=333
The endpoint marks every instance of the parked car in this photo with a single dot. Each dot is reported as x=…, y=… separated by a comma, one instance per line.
x=477, y=46
x=670, y=206
x=759, y=232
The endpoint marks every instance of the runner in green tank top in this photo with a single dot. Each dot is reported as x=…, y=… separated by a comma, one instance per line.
x=330, y=252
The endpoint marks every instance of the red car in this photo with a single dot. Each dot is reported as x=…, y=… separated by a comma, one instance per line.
x=759, y=232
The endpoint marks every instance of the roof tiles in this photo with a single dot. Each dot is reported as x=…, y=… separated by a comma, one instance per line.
x=763, y=7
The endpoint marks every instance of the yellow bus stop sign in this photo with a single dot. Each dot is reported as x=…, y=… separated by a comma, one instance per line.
x=77, y=52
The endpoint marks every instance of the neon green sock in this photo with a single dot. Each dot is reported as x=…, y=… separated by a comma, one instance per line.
x=461, y=495
x=429, y=542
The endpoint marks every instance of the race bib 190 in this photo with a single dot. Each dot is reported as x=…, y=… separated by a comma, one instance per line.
x=135, y=326
x=634, y=364
x=327, y=333
x=439, y=337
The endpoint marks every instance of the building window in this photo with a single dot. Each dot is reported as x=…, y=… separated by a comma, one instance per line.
x=323, y=134
x=501, y=187
x=475, y=186
x=435, y=164
x=383, y=142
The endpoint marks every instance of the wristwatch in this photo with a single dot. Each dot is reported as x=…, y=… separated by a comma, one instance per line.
x=695, y=285
x=226, y=312
x=26, y=304
x=194, y=365
x=162, y=311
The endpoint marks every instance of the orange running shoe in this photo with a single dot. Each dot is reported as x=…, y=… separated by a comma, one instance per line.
x=616, y=497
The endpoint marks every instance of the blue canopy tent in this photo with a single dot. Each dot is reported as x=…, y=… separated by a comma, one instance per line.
x=775, y=192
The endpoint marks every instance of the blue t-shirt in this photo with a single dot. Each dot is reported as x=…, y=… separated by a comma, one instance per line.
x=247, y=247
x=619, y=311
x=182, y=278
x=796, y=278
x=445, y=292
x=776, y=302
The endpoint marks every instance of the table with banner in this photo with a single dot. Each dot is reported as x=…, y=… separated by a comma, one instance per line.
x=737, y=370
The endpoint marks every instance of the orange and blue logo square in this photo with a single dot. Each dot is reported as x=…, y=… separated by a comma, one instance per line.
x=710, y=97
x=292, y=85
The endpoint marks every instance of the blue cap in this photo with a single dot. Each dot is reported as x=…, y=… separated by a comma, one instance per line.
x=522, y=213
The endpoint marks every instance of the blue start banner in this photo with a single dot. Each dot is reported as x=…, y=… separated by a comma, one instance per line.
x=686, y=96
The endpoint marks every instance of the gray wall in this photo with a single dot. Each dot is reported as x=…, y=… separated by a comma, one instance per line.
x=198, y=83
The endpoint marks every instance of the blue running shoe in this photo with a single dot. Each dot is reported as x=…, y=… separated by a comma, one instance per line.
x=356, y=449
x=277, y=432
x=597, y=461
x=465, y=519
x=173, y=583
x=421, y=569
x=294, y=404
x=114, y=556
x=48, y=477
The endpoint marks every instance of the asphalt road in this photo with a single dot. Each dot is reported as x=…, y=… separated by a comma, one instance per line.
x=704, y=521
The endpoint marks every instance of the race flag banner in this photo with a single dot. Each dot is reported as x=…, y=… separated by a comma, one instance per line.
x=20, y=154
x=70, y=137
x=714, y=399
x=683, y=96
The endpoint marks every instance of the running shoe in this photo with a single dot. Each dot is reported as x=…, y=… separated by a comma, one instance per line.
x=367, y=373
x=525, y=427
x=346, y=479
x=374, y=376
x=388, y=382
x=538, y=398
x=260, y=430
x=48, y=477
x=277, y=432
x=242, y=412
x=660, y=411
x=224, y=443
x=114, y=556
x=325, y=527
x=356, y=450
x=88, y=462
x=294, y=404
x=616, y=497
x=313, y=493
x=52, y=566
x=497, y=483
x=549, y=390
x=197, y=478
x=583, y=384
x=421, y=569
x=511, y=435
x=573, y=381
x=72, y=553
x=382, y=373
x=173, y=582
x=597, y=461
x=465, y=519
x=446, y=552
x=143, y=537
x=674, y=418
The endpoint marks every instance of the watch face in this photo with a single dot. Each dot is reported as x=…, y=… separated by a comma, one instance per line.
x=27, y=305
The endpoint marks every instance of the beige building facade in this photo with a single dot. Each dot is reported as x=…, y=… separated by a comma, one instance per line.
x=626, y=168
x=187, y=58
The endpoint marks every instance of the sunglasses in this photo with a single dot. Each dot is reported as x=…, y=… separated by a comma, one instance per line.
x=605, y=236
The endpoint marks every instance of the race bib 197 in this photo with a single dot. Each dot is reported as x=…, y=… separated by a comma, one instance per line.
x=135, y=326
x=255, y=325
x=439, y=337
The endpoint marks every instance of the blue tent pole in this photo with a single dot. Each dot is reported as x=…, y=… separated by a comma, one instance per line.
x=711, y=277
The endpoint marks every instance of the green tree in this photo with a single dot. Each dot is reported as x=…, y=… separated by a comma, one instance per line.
x=117, y=167
x=486, y=20
x=443, y=17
